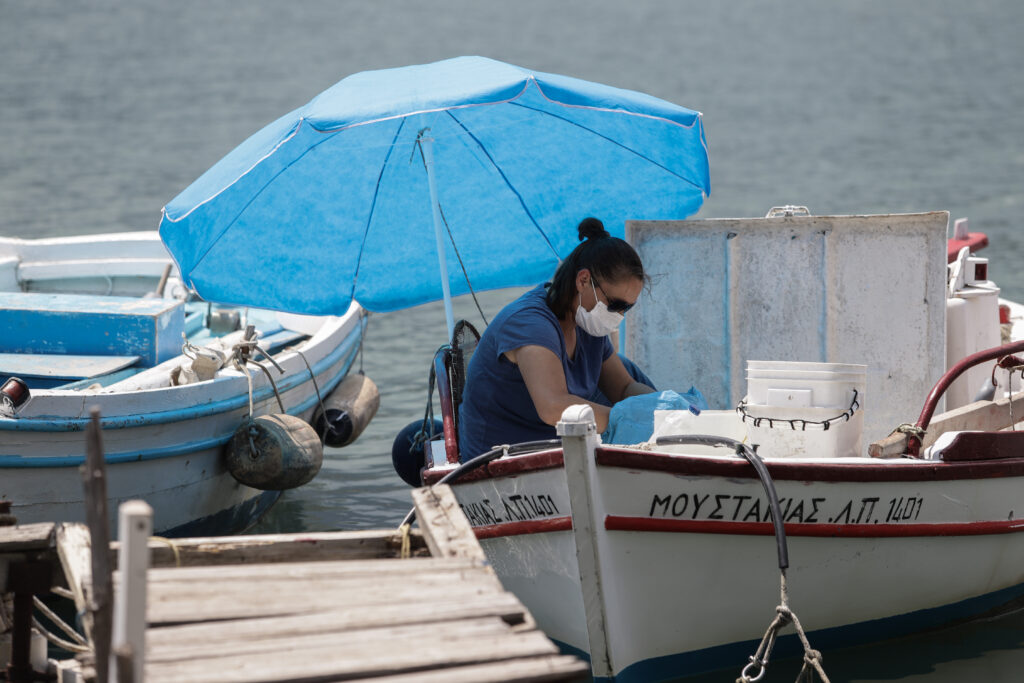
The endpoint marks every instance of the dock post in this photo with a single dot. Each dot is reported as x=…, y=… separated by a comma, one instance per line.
x=579, y=441
x=128, y=644
x=94, y=479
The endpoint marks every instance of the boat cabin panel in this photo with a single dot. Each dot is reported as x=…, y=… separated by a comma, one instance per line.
x=84, y=325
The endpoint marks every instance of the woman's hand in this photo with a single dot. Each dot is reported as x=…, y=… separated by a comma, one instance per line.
x=616, y=383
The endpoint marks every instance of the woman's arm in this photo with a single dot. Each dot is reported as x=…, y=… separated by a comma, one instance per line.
x=545, y=380
x=616, y=383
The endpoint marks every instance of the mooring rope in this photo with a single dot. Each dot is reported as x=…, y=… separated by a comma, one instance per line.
x=319, y=398
x=755, y=670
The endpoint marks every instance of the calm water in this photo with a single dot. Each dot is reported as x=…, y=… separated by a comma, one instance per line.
x=109, y=109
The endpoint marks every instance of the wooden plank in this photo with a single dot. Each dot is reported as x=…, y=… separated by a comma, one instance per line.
x=299, y=598
x=445, y=528
x=94, y=480
x=313, y=546
x=532, y=670
x=339, y=618
x=281, y=571
x=353, y=640
x=984, y=416
x=26, y=537
x=75, y=552
x=386, y=654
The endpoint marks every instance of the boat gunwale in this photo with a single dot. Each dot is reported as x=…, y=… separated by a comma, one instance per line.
x=870, y=470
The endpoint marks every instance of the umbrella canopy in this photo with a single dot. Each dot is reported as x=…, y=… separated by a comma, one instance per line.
x=333, y=201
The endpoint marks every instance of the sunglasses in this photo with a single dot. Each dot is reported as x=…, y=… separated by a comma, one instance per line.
x=614, y=305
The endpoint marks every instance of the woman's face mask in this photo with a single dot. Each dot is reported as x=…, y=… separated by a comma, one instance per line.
x=599, y=321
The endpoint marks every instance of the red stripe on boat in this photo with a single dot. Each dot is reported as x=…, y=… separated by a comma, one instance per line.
x=537, y=526
x=700, y=526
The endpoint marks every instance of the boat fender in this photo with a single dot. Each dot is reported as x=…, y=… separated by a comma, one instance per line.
x=408, y=452
x=274, y=452
x=347, y=410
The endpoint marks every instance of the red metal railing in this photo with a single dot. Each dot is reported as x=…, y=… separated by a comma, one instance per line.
x=442, y=363
x=1003, y=353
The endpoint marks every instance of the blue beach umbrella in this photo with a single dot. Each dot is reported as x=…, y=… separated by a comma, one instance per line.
x=480, y=168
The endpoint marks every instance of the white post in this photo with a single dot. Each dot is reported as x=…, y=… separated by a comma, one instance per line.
x=134, y=527
x=427, y=144
x=579, y=441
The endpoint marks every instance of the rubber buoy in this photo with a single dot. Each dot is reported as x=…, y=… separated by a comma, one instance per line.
x=408, y=452
x=274, y=453
x=347, y=411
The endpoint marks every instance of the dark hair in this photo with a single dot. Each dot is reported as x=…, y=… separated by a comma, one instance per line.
x=608, y=258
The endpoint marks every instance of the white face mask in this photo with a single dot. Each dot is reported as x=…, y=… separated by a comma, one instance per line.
x=599, y=321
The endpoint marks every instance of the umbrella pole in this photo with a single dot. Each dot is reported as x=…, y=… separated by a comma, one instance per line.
x=427, y=146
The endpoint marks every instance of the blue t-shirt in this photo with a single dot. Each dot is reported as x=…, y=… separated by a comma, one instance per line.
x=496, y=406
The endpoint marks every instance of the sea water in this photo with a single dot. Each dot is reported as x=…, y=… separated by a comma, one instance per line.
x=109, y=109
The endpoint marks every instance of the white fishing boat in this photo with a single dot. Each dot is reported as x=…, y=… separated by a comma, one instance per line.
x=105, y=322
x=662, y=559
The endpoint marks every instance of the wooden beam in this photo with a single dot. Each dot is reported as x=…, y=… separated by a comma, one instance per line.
x=75, y=552
x=94, y=479
x=168, y=642
x=26, y=538
x=306, y=597
x=985, y=416
x=301, y=547
x=445, y=528
x=532, y=670
x=383, y=652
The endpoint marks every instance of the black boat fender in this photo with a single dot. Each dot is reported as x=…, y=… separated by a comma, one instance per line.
x=347, y=411
x=274, y=453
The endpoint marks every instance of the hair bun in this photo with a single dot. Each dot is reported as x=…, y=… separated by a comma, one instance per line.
x=592, y=228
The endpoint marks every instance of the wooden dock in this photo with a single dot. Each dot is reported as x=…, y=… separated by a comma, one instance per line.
x=318, y=606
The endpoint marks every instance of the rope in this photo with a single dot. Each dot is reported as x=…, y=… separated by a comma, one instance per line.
x=404, y=531
x=824, y=424
x=316, y=387
x=755, y=670
x=173, y=546
x=245, y=371
x=365, y=325
x=910, y=430
x=462, y=265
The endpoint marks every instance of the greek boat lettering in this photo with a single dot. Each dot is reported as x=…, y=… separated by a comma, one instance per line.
x=519, y=507
x=798, y=510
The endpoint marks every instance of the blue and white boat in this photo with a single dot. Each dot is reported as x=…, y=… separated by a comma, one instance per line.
x=105, y=321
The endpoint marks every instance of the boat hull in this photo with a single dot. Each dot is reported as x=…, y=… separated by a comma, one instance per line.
x=688, y=560
x=162, y=443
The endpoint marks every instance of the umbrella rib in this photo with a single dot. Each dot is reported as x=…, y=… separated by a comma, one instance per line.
x=614, y=142
x=373, y=205
x=508, y=183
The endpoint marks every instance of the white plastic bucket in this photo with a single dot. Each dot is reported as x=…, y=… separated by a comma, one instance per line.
x=789, y=404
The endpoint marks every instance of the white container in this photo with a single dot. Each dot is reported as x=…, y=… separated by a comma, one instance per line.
x=727, y=423
x=789, y=404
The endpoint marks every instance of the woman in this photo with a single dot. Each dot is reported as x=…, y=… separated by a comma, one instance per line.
x=549, y=348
